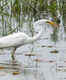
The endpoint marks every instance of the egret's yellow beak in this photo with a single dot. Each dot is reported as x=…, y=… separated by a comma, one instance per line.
x=52, y=23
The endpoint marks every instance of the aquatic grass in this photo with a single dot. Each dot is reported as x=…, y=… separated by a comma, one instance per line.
x=53, y=9
x=17, y=10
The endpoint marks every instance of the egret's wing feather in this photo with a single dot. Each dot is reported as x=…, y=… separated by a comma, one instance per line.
x=12, y=40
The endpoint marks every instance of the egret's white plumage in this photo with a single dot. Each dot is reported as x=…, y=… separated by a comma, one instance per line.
x=13, y=40
x=17, y=39
x=20, y=38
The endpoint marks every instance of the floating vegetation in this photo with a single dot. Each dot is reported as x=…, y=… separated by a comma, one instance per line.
x=51, y=61
x=30, y=54
x=41, y=60
x=1, y=67
x=64, y=78
x=64, y=61
x=60, y=66
x=64, y=70
x=10, y=66
x=16, y=73
x=43, y=46
x=58, y=69
x=61, y=69
x=38, y=60
x=50, y=46
x=54, y=51
x=15, y=70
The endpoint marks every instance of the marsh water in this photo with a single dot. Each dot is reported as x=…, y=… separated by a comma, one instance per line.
x=44, y=59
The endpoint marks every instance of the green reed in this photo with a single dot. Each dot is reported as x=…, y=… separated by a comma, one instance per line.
x=13, y=14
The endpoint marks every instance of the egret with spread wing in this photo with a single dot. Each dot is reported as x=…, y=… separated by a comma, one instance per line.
x=18, y=39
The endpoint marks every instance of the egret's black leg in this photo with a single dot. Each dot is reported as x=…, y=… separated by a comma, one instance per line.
x=12, y=54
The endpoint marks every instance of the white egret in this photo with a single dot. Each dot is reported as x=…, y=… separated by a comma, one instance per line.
x=18, y=39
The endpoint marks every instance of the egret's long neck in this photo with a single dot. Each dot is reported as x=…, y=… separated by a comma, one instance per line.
x=36, y=37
